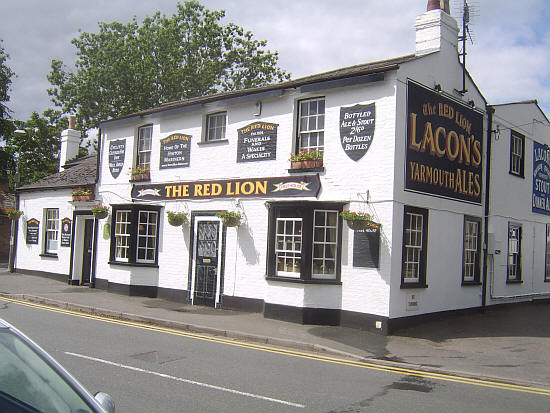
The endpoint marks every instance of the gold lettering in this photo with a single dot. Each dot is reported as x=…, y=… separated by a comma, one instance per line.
x=464, y=150
x=261, y=187
x=197, y=190
x=428, y=138
x=216, y=189
x=413, y=144
x=247, y=188
x=439, y=152
x=450, y=154
x=476, y=156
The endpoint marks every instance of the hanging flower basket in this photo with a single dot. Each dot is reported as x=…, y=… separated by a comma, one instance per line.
x=229, y=218
x=141, y=173
x=100, y=211
x=177, y=219
x=357, y=221
x=13, y=214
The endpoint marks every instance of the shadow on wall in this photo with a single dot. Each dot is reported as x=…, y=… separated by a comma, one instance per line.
x=247, y=246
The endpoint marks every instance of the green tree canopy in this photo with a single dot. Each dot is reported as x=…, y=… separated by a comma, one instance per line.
x=36, y=152
x=6, y=77
x=129, y=67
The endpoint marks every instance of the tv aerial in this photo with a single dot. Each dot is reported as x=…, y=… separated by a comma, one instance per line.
x=467, y=11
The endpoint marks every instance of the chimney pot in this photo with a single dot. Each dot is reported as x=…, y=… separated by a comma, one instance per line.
x=433, y=5
x=72, y=121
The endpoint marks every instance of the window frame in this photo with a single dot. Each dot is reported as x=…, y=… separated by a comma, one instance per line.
x=47, y=231
x=304, y=212
x=422, y=258
x=207, y=129
x=141, y=153
x=475, y=279
x=547, y=255
x=320, y=131
x=517, y=154
x=133, y=235
x=516, y=266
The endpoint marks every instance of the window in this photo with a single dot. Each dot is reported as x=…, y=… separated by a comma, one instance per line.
x=134, y=234
x=145, y=135
x=122, y=235
x=517, y=150
x=514, y=253
x=415, y=243
x=547, y=263
x=305, y=239
x=311, y=124
x=52, y=230
x=471, y=251
x=215, y=126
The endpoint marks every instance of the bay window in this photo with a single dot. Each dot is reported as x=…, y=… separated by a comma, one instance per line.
x=304, y=241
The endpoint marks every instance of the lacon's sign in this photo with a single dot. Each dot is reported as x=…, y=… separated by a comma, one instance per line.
x=444, y=146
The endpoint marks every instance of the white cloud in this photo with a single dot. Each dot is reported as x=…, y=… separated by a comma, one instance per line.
x=509, y=58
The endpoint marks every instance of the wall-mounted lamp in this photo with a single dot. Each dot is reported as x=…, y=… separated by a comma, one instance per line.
x=258, y=108
x=471, y=103
x=437, y=87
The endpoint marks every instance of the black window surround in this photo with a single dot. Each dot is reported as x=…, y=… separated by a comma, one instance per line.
x=513, y=267
x=547, y=255
x=134, y=210
x=414, y=254
x=471, y=251
x=517, y=154
x=305, y=211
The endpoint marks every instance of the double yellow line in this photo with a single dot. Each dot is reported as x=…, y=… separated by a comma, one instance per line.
x=327, y=359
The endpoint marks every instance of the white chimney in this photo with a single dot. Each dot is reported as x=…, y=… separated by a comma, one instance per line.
x=436, y=30
x=70, y=142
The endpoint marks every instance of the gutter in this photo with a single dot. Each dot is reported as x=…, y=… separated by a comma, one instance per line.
x=490, y=112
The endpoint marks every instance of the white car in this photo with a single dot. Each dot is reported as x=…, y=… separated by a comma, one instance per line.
x=31, y=381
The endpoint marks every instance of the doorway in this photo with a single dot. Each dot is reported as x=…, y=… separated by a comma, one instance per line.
x=206, y=283
x=87, y=251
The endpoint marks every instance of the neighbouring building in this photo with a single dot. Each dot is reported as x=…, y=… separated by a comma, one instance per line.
x=7, y=200
x=407, y=140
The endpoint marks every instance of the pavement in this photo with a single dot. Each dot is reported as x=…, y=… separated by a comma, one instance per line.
x=505, y=343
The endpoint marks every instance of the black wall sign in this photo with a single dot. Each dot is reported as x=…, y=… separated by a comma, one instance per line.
x=175, y=151
x=357, y=129
x=33, y=228
x=282, y=187
x=65, y=232
x=444, y=146
x=257, y=142
x=117, y=151
x=366, y=247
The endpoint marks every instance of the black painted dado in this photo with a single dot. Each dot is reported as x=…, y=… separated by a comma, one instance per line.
x=316, y=316
x=125, y=289
x=52, y=275
x=251, y=305
x=170, y=294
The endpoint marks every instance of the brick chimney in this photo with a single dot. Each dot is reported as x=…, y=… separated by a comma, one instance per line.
x=436, y=30
x=70, y=142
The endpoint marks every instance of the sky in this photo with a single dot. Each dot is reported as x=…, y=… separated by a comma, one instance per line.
x=509, y=57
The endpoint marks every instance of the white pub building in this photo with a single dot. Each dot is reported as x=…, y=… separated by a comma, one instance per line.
x=458, y=192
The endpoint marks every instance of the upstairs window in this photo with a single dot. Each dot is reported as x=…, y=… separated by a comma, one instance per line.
x=517, y=151
x=215, y=126
x=311, y=125
x=144, y=144
x=52, y=230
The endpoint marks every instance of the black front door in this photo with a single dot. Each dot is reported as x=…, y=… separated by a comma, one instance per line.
x=87, y=253
x=206, y=263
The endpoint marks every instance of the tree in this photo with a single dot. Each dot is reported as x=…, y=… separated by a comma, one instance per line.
x=6, y=75
x=130, y=67
x=36, y=152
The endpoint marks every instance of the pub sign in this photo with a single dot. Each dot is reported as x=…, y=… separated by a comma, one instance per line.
x=257, y=142
x=66, y=225
x=286, y=186
x=541, y=179
x=175, y=151
x=117, y=151
x=444, y=146
x=357, y=129
x=33, y=229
